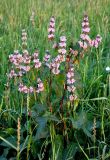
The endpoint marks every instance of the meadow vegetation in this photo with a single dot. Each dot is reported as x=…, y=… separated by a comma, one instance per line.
x=55, y=79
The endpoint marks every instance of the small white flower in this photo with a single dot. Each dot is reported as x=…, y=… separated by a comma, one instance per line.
x=108, y=69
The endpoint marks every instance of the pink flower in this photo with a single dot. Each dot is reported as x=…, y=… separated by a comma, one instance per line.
x=86, y=30
x=62, y=44
x=62, y=51
x=55, y=65
x=94, y=43
x=31, y=89
x=85, y=37
x=36, y=54
x=63, y=39
x=20, y=87
x=40, y=86
x=46, y=57
x=71, y=98
x=55, y=71
x=38, y=64
x=98, y=38
x=23, y=88
x=50, y=36
x=85, y=24
x=25, y=68
x=71, y=88
x=51, y=30
x=52, y=24
x=70, y=81
x=12, y=74
x=83, y=44
x=70, y=74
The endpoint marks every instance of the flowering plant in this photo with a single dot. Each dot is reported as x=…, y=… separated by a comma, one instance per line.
x=51, y=82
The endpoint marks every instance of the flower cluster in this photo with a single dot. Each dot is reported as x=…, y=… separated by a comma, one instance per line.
x=21, y=63
x=95, y=42
x=24, y=39
x=24, y=89
x=55, y=63
x=25, y=67
x=37, y=63
x=86, y=41
x=70, y=84
x=40, y=86
x=12, y=74
x=26, y=57
x=51, y=29
x=85, y=25
x=16, y=58
x=62, y=48
x=46, y=57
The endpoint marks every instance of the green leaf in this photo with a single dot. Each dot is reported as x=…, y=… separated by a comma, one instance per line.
x=41, y=129
x=9, y=142
x=38, y=109
x=58, y=147
x=79, y=121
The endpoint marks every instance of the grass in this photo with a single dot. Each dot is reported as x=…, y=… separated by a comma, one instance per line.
x=92, y=81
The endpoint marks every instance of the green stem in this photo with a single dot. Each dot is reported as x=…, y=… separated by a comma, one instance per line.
x=52, y=135
x=27, y=122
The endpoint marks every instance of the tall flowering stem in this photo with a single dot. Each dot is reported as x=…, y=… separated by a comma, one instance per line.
x=51, y=29
x=86, y=41
x=70, y=84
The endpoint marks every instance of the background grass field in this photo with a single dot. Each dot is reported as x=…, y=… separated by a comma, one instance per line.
x=15, y=16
